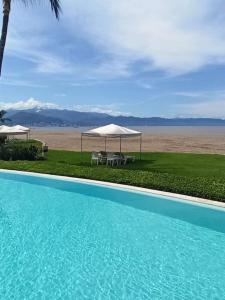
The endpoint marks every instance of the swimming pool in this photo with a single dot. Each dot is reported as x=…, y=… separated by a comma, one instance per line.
x=71, y=240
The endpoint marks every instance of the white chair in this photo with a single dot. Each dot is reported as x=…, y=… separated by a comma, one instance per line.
x=112, y=159
x=95, y=157
x=102, y=157
x=129, y=158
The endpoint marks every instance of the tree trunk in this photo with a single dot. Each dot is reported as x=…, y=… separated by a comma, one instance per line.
x=6, y=12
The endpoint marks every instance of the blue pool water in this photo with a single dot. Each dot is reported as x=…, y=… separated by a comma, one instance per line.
x=66, y=240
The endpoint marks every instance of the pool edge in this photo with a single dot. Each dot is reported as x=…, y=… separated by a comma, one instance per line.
x=177, y=197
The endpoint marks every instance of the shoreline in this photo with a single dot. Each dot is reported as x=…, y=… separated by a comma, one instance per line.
x=208, y=140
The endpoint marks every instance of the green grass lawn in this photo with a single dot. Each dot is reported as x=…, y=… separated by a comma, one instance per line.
x=198, y=175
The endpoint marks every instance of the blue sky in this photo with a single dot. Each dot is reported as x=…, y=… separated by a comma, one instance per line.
x=139, y=57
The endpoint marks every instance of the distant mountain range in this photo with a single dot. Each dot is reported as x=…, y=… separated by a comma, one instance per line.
x=64, y=118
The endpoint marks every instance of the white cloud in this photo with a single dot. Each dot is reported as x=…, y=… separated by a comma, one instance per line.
x=204, y=109
x=174, y=36
x=27, y=104
x=112, y=109
x=30, y=39
x=144, y=85
x=108, y=70
x=31, y=103
x=208, y=95
x=61, y=95
x=188, y=94
x=19, y=83
x=210, y=108
x=45, y=61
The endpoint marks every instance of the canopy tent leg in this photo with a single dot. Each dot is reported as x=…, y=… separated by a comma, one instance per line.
x=140, y=146
x=105, y=143
x=120, y=144
x=81, y=143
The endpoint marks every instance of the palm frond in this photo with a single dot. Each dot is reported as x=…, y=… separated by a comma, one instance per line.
x=55, y=5
x=2, y=118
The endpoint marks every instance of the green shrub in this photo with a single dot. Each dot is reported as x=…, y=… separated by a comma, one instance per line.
x=4, y=153
x=19, y=152
x=3, y=139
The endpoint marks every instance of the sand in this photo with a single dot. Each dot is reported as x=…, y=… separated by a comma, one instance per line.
x=155, y=140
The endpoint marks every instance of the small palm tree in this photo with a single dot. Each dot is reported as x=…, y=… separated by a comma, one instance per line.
x=2, y=116
x=55, y=6
x=2, y=121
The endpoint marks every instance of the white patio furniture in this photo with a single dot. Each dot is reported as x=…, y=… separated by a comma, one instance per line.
x=112, y=159
x=95, y=157
x=129, y=158
x=102, y=157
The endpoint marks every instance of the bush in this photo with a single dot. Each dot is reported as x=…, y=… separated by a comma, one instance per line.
x=19, y=152
x=3, y=139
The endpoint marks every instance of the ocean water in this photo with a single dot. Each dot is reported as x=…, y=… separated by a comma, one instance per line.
x=65, y=240
x=167, y=130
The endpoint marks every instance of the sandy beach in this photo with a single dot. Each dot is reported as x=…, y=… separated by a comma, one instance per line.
x=158, y=139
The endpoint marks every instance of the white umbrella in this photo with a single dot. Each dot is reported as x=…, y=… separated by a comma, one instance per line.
x=112, y=131
x=19, y=127
x=6, y=130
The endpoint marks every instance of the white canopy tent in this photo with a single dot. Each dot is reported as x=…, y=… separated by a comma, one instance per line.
x=21, y=128
x=13, y=130
x=112, y=131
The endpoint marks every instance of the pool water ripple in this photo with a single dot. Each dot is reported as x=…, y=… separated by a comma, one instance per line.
x=63, y=243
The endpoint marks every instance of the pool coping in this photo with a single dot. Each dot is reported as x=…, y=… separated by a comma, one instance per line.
x=178, y=197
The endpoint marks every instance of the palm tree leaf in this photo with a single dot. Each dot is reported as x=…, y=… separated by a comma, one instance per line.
x=55, y=5
x=2, y=118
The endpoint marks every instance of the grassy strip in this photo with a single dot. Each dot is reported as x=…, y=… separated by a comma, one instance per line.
x=138, y=174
